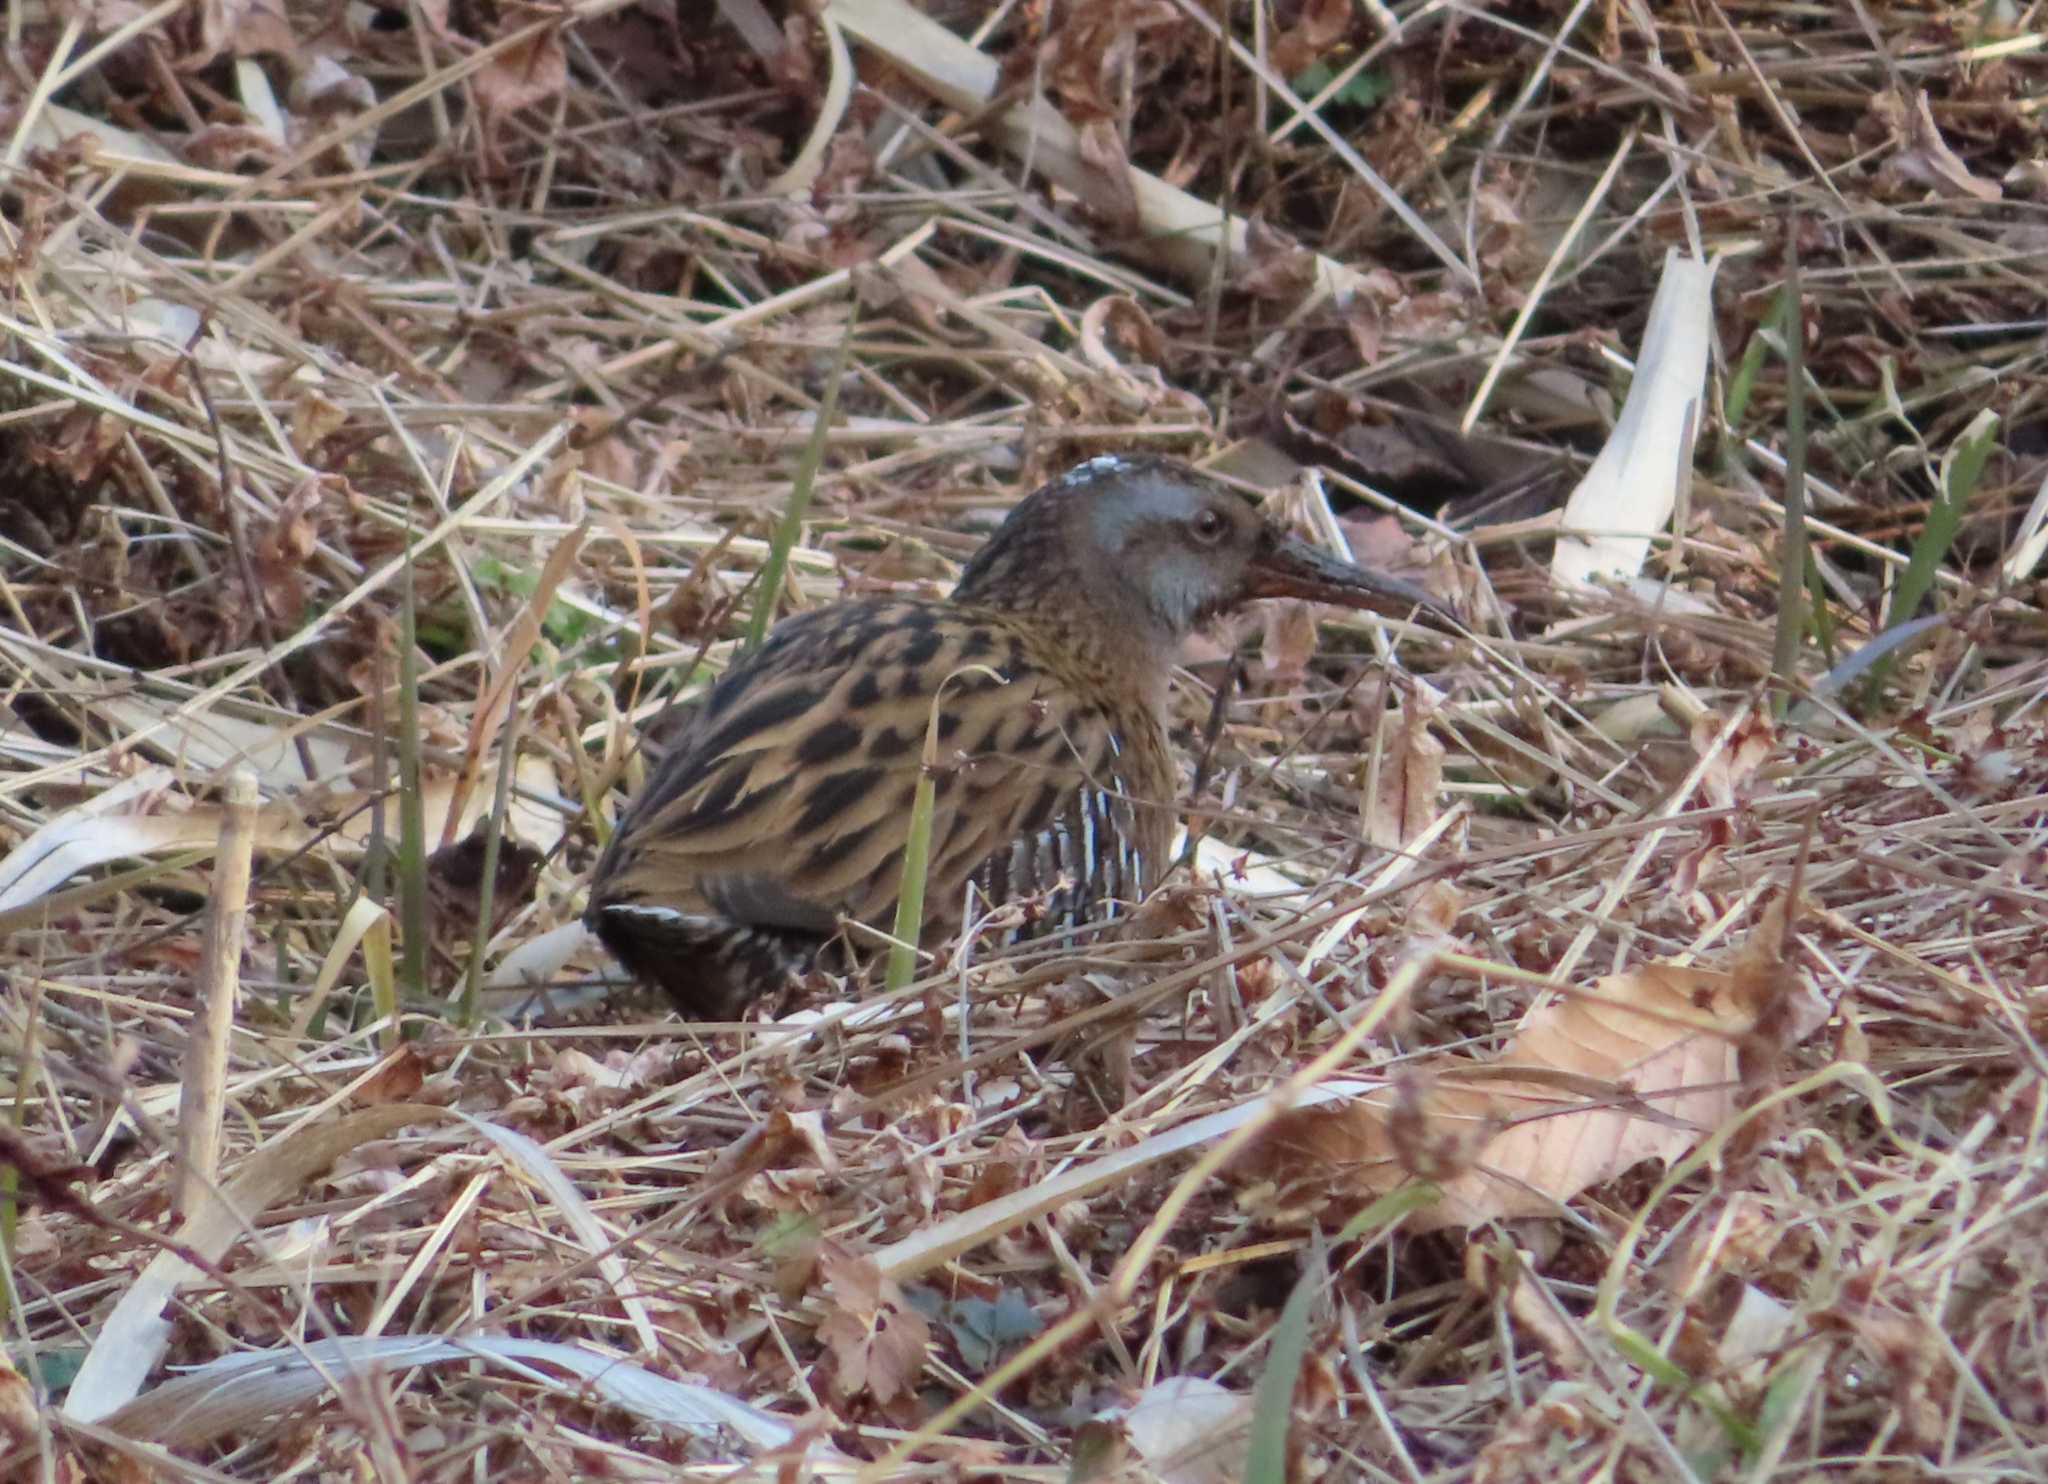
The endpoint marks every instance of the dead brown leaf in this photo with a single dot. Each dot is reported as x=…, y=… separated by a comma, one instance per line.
x=18, y=1413
x=281, y=553
x=455, y=881
x=1108, y=185
x=232, y=147
x=530, y=72
x=878, y=1342
x=1921, y=1375
x=1320, y=25
x=1289, y=642
x=620, y=1071
x=1086, y=56
x=326, y=92
x=1432, y=919
x=1642, y=1066
x=314, y=419
x=241, y=28
x=1276, y=267
x=1404, y=799
x=1751, y=746
x=1381, y=542
x=1728, y=771
x=397, y=1080
x=1119, y=339
x=1525, y=1450
x=1924, y=157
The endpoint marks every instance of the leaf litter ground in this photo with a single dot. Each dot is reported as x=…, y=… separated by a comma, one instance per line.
x=510, y=329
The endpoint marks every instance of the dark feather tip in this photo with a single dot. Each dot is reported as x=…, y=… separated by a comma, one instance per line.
x=710, y=969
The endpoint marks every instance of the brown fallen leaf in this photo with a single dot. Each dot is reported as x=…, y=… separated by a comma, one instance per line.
x=1318, y=27
x=878, y=1342
x=530, y=71
x=1433, y=911
x=1403, y=799
x=1275, y=267
x=1382, y=541
x=1289, y=642
x=1522, y=1450
x=1106, y=181
x=397, y=1080
x=1642, y=1066
x=1749, y=747
x=1924, y=157
x=19, y=1416
x=1724, y=781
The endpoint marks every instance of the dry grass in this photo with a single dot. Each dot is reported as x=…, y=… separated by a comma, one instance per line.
x=509, y=313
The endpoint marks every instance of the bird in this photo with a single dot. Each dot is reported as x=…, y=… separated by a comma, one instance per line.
x=774, y=823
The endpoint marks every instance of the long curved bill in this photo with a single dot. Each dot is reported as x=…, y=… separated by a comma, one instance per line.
x=1294, y=569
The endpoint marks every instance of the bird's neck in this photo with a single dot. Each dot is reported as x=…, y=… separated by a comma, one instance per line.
x=1083, y=612
x=1112, y=654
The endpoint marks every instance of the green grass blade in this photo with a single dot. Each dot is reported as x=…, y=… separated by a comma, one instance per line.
x=1273, y=1402
x=377, y=968
x=412, y=819
x=917, y=850
x=1817, y=610
x=1960, y=472
x=917, y=854
x=1742, y=384
x=1642, y=1353
x=773, y=571
x=1388, y=1209
x=494, y=835
x=1792, y=553
x=27, y=1074
x=1961, y=469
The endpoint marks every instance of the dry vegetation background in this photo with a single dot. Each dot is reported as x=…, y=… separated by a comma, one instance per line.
x=396, y=390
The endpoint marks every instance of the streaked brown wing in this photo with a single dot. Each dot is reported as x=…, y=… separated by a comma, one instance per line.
x=786, y=798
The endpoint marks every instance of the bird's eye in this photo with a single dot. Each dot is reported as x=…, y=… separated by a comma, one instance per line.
x=1210, y=525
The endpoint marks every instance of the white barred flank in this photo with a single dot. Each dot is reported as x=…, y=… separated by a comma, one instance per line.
x=1084, y=866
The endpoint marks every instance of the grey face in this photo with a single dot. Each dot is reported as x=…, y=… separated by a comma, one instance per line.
x=1181, y=548
x=1159, y=547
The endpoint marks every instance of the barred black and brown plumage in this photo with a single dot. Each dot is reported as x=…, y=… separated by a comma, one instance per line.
x=780, y=810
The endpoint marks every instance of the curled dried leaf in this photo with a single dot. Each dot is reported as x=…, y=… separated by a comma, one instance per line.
x=1641, y=1066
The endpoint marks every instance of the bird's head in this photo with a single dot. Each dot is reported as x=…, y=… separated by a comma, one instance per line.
x=1160, y=546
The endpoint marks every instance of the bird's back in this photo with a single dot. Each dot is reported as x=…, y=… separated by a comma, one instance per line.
x=784, y=800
